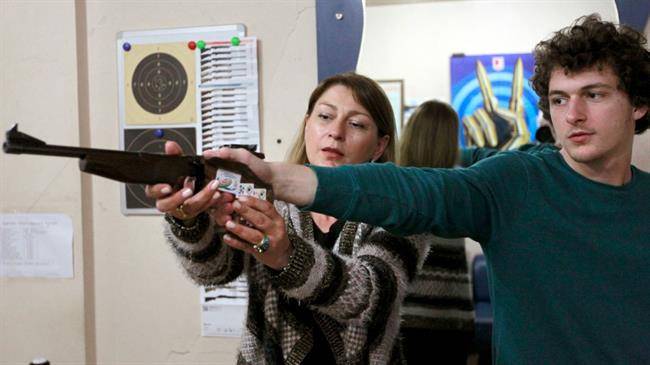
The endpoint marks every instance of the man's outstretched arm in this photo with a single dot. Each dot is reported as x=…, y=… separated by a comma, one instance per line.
x=403, y=201
x=291, y=183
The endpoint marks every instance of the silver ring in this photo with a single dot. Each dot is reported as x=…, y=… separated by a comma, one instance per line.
x=264, y=244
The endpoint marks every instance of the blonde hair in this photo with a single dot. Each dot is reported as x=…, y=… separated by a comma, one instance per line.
x=368, y=94
x=430, y=138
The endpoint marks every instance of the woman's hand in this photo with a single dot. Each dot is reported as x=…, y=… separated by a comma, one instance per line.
x=184, y=204
x=263, y=221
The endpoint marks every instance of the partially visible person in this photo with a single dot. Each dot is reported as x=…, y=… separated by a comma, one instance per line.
x=321, y=290
x=430, y=137
x=564, y=232
x=438, y=316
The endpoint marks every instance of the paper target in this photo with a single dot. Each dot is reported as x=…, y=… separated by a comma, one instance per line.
x=159, y=83
x=197, y=86
x=160, y=86
x=153, y=141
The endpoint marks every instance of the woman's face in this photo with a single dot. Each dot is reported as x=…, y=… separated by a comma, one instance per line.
x=340, y=131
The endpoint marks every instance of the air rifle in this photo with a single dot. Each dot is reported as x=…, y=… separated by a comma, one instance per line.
x=136, y=167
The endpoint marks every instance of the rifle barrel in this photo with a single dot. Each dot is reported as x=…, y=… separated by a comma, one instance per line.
x=53, y=150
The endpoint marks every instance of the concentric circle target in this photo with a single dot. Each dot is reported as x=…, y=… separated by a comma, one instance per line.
x=147, y=140
x=159, y=83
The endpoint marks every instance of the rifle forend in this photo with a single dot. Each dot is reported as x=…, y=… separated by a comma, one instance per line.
x=134, y=167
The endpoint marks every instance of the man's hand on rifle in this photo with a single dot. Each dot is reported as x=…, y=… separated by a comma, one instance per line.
x=291, y=183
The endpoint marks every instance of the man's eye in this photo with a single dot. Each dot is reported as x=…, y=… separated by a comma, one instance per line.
x=558, y=101
x=594, y=95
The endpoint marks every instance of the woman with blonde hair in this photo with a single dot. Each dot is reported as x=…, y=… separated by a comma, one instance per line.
x=430, y=138
x=437, y=312
x=321, y=290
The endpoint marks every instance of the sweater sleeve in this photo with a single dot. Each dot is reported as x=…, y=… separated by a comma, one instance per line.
x=366, y=289
x=472, y=155
x=206, y=260
x=450, y=203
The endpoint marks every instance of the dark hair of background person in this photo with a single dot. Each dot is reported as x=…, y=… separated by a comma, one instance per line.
x=368, y=94
x=544, y=134
x=430, y=138
x=589, y=43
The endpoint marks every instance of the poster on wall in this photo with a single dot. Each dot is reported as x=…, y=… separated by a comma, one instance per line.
x=494, y=100
x=223, y=309
x=36, y=245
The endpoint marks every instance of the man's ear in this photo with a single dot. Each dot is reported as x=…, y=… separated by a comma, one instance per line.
x=639, y=112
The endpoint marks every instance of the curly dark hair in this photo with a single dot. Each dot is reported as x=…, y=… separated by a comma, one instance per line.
x=591, y=42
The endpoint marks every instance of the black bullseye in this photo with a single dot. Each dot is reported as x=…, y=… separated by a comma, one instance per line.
x=159, y=83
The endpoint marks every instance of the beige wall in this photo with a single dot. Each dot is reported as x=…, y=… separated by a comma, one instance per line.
x=130, y=302
x=39, y=90
x=431, y=32
x=146, y=309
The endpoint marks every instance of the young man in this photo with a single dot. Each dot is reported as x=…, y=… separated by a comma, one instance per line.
x=566, y=233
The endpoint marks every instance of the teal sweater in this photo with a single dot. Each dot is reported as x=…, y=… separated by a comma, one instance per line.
x=568, y=258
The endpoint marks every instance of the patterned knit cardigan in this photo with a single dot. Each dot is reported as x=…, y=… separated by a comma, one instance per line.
x=353, y=292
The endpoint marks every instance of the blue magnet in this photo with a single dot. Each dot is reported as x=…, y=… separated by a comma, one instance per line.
x=159, y=133
x=126, y=46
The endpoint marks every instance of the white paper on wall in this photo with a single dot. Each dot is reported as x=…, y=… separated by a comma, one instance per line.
x=223, y=308
x=36, y=245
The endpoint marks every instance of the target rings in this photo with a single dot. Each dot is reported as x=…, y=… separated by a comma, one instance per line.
x=159, y=83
